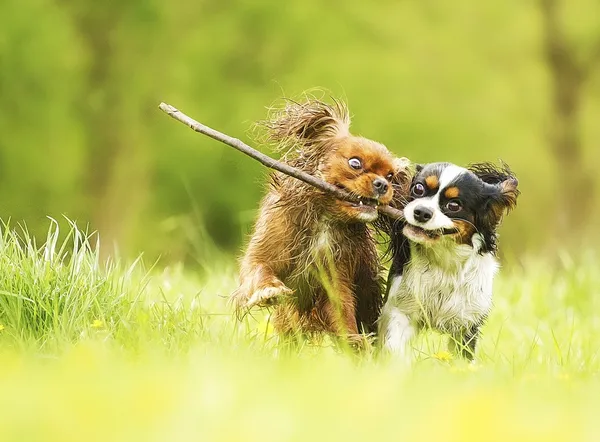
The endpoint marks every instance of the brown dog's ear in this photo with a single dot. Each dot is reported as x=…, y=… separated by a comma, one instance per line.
x=400, y=182
x=310, y=122
x=402, y=166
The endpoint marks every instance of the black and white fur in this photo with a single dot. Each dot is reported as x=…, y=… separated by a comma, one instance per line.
x=444, y=255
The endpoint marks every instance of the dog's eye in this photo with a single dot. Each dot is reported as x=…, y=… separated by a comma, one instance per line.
x=355, y=163
x=453, y=206
x=418, y=190
x=389, y=176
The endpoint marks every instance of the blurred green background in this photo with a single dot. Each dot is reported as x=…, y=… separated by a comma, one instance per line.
x=460, y=81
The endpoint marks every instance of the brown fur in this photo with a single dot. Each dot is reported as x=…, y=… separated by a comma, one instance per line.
x=432, y=182
x=309, y=253
x=465, y=230
x=451, y=192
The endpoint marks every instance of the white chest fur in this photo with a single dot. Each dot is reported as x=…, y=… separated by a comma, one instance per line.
x=446, y=289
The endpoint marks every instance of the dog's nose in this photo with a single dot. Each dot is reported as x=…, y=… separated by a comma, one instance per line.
x=422, y=214
x=380, y=185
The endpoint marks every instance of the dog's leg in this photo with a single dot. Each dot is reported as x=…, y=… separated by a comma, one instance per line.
x=395, y=330
x=368, y=286
x=464, y=343
x=266, y=258
x=340, y=311
x=260, y=287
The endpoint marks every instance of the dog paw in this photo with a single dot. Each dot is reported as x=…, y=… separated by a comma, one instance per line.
x=268, y=296
x=357, y=341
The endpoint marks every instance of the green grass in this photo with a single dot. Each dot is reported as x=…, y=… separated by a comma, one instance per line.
x=120, y=352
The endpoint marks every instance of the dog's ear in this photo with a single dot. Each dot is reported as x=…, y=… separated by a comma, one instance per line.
x=402, y=168
x=310, y=122
x=401, y=181
x=509, y=192
x=500, y=187
x=418, y=168
x=490, y=173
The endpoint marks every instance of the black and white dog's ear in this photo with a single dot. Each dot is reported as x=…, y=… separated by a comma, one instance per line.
x=500, y=184
x=490, y=173
x=418, y=168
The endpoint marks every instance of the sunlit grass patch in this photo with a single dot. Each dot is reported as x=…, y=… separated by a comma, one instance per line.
x=58, y=293
x=55, y=291
x=93, y=392
x=108, y=351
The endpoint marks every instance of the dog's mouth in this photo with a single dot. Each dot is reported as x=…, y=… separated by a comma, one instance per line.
x=364, y=203
x=420, y=234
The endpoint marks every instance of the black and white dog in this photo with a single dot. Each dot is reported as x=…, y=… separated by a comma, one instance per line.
x=444, y=254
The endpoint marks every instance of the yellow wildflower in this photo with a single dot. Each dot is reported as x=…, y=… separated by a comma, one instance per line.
x=443, y=356
x=97, y=323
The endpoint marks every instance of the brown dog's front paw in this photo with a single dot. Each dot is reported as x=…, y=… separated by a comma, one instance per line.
x=269, y=295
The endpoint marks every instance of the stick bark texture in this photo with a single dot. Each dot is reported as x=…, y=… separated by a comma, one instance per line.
x=269, y=162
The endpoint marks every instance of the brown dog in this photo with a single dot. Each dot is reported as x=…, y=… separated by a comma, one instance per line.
x=312, y=254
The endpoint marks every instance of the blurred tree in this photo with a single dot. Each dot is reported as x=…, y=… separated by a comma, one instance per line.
x=116, y=99
x=40, y=142
x=95, y=23
x=434, y=80
x=569, y=72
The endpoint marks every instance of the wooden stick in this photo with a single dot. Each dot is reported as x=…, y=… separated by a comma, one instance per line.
x=266, y=160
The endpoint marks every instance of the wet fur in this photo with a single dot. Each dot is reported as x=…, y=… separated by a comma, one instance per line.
x=309, y=254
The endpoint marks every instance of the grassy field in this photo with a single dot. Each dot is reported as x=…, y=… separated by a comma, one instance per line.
x=118, y=352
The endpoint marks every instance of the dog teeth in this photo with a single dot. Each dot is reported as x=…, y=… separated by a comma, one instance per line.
x=371, y=202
